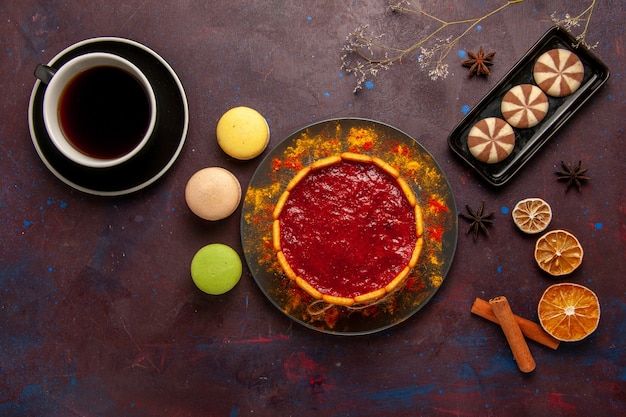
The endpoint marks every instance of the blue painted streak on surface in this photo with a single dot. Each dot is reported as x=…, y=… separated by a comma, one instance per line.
x=401, y=398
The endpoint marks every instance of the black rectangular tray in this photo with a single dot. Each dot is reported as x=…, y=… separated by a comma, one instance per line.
x=529, y=141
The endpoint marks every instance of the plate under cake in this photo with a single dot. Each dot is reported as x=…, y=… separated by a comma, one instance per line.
x=287, y=162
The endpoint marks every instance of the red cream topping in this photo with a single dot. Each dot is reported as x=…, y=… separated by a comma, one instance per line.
x=347, y=229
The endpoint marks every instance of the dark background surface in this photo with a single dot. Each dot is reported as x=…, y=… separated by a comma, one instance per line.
x=98, y=313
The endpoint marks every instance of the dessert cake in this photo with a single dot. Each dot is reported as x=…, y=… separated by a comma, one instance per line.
x=524, y=106
x=558, y=72
x=491, y=140
x=347, y=229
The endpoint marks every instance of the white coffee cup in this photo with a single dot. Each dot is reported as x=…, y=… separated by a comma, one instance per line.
x=95, y=135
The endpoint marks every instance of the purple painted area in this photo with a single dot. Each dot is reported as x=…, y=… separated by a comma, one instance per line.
x=98, y=313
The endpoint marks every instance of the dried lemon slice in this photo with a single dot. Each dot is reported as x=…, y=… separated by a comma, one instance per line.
x=558, y=252
x=532, y=215
x=569, y=312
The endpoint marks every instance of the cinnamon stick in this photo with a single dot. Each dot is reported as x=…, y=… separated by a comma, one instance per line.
x=530, y=329
x=513, y=334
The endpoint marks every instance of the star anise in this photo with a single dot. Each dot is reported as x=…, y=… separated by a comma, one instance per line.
x=479, y=220
x=479, y=63
x=573, y=174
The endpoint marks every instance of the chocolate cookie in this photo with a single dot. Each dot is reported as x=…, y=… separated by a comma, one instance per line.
x=491, y=140
x=558, y=72
x=524, y=106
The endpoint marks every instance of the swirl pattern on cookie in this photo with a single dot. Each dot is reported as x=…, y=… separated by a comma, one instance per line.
x=558, y=72
x=524, y=106
x=491, y=140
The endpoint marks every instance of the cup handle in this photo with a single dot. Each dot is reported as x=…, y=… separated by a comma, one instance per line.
x=44, y=73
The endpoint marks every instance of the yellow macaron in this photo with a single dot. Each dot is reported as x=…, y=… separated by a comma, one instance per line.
x=242, y=133
x=213, y=193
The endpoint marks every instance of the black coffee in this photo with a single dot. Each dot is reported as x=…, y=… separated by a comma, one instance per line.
x=104, y=112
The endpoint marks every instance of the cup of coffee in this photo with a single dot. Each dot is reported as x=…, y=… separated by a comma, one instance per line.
x=99, y=109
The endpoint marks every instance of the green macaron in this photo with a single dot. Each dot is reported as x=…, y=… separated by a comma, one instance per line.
x=216, y=268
